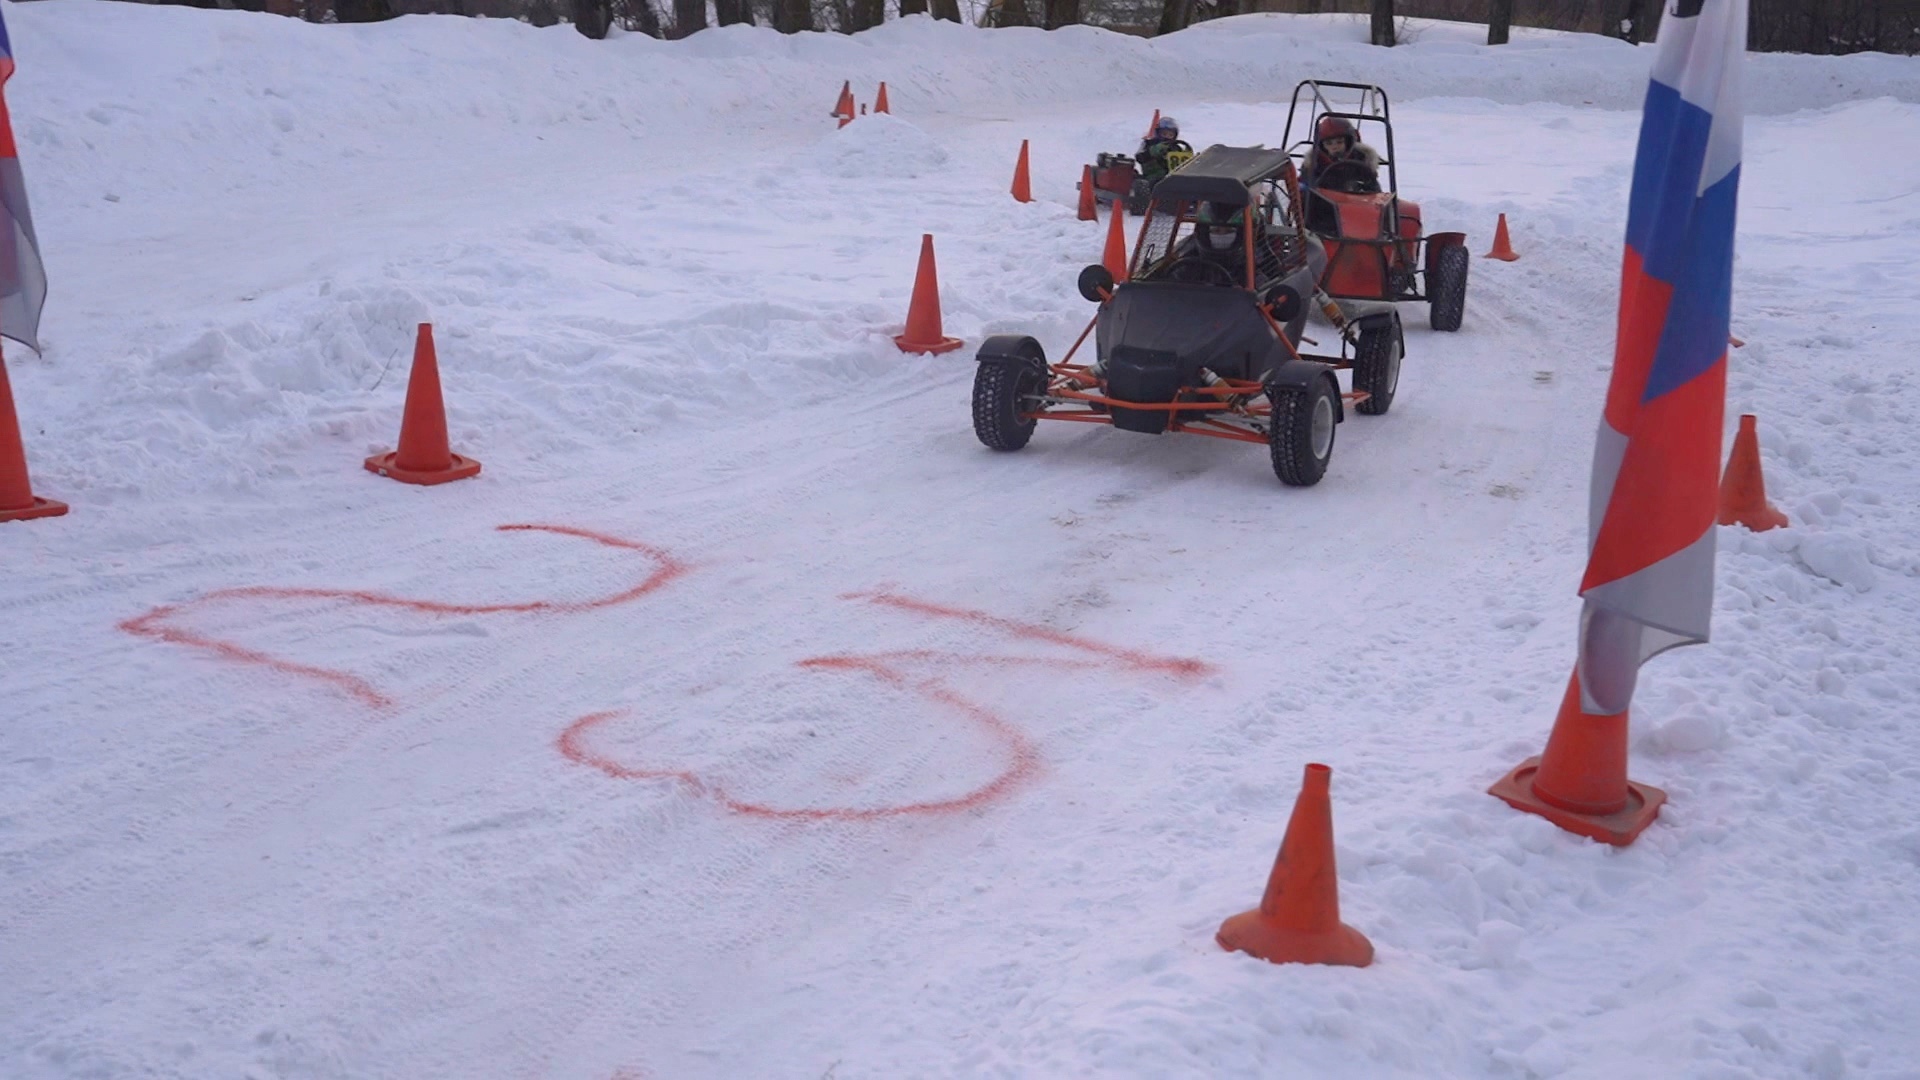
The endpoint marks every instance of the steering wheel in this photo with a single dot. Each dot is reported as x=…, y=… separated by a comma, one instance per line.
x=1194, y=270
x=1349, y=176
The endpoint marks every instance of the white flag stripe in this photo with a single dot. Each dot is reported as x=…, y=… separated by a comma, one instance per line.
x=1701, y=58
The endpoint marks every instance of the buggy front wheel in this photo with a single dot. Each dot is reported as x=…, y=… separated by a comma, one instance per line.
x=1447, y=288
x=1376, y=365
x=1005, y=391
x=1300, y=432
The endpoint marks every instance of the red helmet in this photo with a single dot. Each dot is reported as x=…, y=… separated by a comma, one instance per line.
x=1333, y=127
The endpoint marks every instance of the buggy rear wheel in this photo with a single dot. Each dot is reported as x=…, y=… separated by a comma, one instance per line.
x=1139, y=196
x=1447, y=288
x=1005, y=387
x=1300, y=434
x=1376, y=365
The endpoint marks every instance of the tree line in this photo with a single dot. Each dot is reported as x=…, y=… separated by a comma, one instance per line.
x=1827, y=27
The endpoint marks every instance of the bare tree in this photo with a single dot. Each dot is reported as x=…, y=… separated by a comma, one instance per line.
x=361, y=11
x=1010, y=13
x=1634, y=22
x=638, y=15
x=1061, y=13
x=689, y=16
x=593, y=17
x=1176, y=15
x=733, y=12
x=912, y=7
x=1499, y=21
x=792, y=16
x=1835, y=26
x=947, y=9
x=1383, y=22
x=857, y=15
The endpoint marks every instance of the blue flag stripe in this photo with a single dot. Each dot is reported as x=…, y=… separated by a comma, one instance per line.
x=1695, y=334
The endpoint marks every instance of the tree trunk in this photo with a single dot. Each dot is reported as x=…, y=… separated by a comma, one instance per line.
x=360, y=11
x=733, y=12
x=1383, y=22
x=1175, y=15
x=1499, y=21
x=1062, y=13
x=689, y=16
x=912, y=7
x=1012, y=13
x=593, y=17
x=946, y=9
x=792, y=16
x=1632, y=26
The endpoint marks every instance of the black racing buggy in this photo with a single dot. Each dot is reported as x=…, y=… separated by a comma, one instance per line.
x=1203, y=336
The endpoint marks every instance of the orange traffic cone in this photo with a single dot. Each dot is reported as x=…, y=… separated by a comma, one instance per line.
x=1298, y=920
x=1154, y=124
x=1580, y=783
x=880, y=103
x=423, y=457
x=844, y=107
x=1022, y=188
x=1743, y=489
x=1114, y=258
x=17, y=501
x=1502, y=247
x=923, y=314
x=1089, y=206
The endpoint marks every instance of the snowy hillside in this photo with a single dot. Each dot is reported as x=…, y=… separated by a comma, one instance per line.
x=802, y=736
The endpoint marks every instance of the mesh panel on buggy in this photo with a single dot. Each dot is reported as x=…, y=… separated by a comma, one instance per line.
x=1273, y=259
x=1159, y=238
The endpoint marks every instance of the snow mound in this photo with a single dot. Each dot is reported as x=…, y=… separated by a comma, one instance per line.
x=1840, y=558
x=879, y=145
x=1687, y=733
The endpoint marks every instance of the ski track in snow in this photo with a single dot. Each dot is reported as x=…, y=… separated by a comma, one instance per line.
x=268, y=811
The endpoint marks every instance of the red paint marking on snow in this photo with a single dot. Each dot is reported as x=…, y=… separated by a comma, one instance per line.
x=1023, y=760
x=911, y=656
x=156, y=623
x=1184, y=667
x=152, y=625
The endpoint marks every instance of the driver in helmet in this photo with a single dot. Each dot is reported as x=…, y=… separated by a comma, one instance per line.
x=1219, y=231
x=1334, y=142
x=1153, y=149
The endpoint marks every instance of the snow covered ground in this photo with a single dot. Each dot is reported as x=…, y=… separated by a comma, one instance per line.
x=805, y=737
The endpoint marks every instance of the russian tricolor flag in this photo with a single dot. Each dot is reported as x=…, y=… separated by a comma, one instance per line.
x=23, y=281
x=1656, y=461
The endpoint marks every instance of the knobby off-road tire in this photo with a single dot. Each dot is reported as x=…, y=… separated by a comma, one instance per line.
x=999, y=388
x=1376, y=367
x=1447, y=289
x=1300, y=435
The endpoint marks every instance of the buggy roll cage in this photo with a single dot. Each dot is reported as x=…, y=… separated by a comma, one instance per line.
x=1371, y=108
x=1230, y=177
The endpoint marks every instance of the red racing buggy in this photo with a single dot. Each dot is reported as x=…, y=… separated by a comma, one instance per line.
x=1376, y=249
